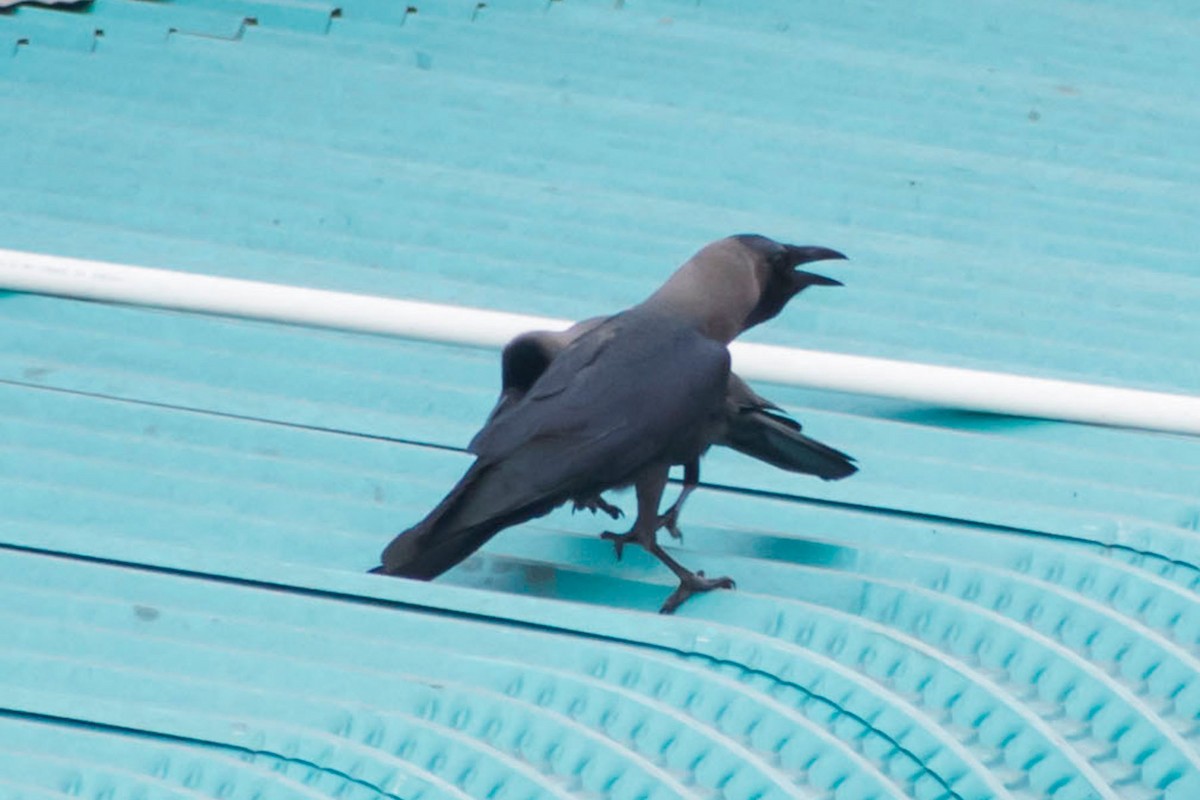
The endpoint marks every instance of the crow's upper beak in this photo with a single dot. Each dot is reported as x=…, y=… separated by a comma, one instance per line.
x=804, y=255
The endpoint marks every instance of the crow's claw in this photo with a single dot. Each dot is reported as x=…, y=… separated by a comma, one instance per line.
x=619, y=540
x=595, y=504
x=670, y=521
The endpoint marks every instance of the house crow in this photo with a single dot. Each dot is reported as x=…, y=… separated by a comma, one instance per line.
x=620, y=404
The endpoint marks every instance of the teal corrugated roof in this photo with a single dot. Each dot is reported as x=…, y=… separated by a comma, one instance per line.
x=990, y=608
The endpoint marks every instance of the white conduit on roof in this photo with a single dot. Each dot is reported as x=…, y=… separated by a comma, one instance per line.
x=948, y=387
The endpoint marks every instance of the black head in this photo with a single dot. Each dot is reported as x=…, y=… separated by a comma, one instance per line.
x=525, y=359
x=778, y=276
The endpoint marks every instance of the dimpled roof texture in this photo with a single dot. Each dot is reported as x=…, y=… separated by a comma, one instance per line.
x=991, y=608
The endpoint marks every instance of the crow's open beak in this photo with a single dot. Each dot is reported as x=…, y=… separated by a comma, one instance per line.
x=804, y=255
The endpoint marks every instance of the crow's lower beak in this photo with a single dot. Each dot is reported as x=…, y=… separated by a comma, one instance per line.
x=804, y=255
x=802, y=279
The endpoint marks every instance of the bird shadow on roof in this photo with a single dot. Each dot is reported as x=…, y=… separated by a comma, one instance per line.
x=959, y=419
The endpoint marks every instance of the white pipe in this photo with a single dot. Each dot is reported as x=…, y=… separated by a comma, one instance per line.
x=950, y=387
x=971, y=389
x=233, y=297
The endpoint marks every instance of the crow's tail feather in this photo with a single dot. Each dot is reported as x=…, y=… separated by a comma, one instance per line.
x=475, y=510
x=777, y=440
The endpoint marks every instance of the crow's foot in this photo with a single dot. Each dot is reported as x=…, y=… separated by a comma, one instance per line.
x=619, y=540
x=595, y=504
x=670, y=521
x=693, y=583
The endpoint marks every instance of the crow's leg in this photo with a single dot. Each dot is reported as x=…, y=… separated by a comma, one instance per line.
x=644, y=532
x=670, y=519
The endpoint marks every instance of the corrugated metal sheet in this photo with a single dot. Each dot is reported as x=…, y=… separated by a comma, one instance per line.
x=991, y=608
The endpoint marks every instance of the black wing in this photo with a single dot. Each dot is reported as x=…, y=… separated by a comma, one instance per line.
x=635, y=391
x=758, y=428
x=525, y=359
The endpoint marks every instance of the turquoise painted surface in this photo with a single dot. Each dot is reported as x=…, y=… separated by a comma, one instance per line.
x=991, y=608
